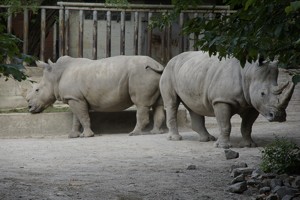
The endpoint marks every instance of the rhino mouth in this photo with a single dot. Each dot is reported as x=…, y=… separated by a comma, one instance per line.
x=34, y=109
x=279, y=116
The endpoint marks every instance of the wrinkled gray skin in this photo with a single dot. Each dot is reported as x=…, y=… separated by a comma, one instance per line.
x=210, y=87
x=105, y=85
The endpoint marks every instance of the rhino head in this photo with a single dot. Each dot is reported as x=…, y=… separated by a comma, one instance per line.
x=41, y=95
x=268, y=97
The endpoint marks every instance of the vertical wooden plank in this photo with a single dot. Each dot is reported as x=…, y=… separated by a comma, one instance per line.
x=169, y=39
x=95, y=34
x=67, y=32
x=149, y=35
x=9, y=22
x=108, y=34
x=80, y=39
x=136, y=33
x=122, y=34
x=61, y=32
x=43, y=34
x=181, y=38
x=54, y=54
x=25, y=31
x=196, y=36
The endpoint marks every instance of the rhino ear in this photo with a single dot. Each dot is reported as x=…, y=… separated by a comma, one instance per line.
x=43, y=65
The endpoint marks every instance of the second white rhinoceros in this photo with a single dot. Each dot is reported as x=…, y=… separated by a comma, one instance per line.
x=105, y=85
x=208, y=86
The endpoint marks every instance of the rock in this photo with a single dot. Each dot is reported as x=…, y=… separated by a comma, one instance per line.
x=260, y=197
x=238, y=165
x=237, y=179
x=265, y=183
x=256, y=173
x=238, y=187
x=238, y=171
x=229, y=154
x=275, y=182
x=287, y=197
x=264, y=190
x=252, y=182
x=272, y=197
x=191, y=167
x=296, y=182
x=284, y=190
x=268, y=175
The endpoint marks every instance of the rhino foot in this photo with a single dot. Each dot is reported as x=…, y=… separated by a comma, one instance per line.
x=175, y=137
x=135, y=133
x=207, y=138
x=87, y=133
x=74, y=134
x=247, y=143
x=222, y=144
x=156, y=131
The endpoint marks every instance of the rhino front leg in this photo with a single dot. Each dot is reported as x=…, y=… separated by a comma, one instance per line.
x=80, y=109
x=75, y=127
x=142, y=119
x=223, y=116
x=248, y=118
x=198, y=125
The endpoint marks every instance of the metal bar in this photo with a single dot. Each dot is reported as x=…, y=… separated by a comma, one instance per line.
x=108, y=34
x=122, y=35
x=54, y=56
x=163, y=45
x=95, y=34
x=25, y=31
x=61, y=32
x=149, y=36
x=43, y=34
x=80, y=38
x=136, y=33
x=67, y=32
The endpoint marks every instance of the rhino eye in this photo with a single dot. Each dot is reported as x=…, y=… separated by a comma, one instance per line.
x=262, y=94
x=37, y=90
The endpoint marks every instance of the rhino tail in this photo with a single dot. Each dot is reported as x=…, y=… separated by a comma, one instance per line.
x=158, y=69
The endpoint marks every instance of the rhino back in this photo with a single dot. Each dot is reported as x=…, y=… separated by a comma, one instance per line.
x=107, y=84
x=202, y=81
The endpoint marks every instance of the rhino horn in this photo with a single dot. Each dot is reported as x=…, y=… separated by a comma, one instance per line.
x=278, y=89
x=43, y=65
x=286, y=94
x=50, y=62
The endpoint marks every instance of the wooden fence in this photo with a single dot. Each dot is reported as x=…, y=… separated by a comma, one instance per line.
x=62, y=33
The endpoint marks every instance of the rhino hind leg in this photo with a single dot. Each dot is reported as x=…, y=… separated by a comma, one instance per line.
x=223, y=116
x=75, y=127
x=246, y=128
x=158, y=117
x=172, y=122
x=142, y=119
x=80, y=110
x=198, y=125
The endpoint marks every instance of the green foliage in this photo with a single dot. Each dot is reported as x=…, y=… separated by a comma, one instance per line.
x=11, y=60
x=257, y=29
x=281, y=156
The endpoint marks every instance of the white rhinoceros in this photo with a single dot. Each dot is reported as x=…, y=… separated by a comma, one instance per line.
x=105, y=85
x=209, y=87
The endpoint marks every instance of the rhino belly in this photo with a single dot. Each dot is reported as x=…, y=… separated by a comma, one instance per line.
x=109, y=104
x=196, y=101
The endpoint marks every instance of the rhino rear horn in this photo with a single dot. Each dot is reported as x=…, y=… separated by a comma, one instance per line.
x=50, y=62
x=43, y=65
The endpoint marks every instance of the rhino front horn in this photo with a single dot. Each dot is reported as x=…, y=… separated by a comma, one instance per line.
x=286, y=94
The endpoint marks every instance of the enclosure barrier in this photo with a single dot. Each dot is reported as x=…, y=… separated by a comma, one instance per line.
x=142, y=43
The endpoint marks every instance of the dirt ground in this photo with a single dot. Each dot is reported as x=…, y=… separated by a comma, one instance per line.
x=120, y=167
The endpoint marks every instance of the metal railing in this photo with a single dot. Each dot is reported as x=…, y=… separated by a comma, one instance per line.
x=142, y=39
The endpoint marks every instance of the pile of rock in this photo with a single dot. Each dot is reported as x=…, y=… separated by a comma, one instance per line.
x=264, y=186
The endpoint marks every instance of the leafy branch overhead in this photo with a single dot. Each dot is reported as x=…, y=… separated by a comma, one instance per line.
x=258, y=29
